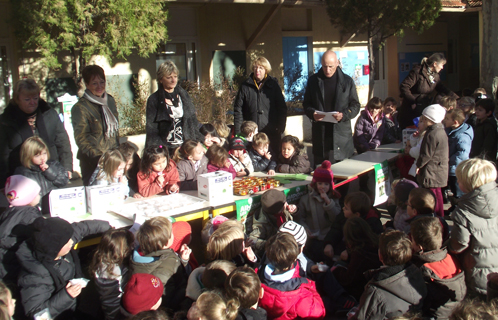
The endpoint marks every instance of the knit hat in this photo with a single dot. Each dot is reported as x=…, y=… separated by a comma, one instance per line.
x=403, y=188
x=435, y=113
x=182, y=233
x=237, y=144
x=20, y=190
x=296, y=230
x=272, y=201
x=142, y=292
x=324, y=174
x=50, y=235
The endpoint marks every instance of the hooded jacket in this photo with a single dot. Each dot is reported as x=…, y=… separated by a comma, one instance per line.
x=460, y=143
x=346, y=101
x=188, y=175
x=445, y=282
x=391, y=292
x=14, y=130
x=265, y=106
x=433, y=159
x=368, y=134
x=260, y=163
x=111, y=288
x=474, y=236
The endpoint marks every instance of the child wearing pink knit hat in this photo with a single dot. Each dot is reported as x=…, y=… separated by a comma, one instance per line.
x=318, y=209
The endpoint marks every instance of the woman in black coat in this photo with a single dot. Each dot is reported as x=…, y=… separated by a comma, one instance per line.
x=25, y=116
x=260, y=99
x=420, y=87
x=170, y=115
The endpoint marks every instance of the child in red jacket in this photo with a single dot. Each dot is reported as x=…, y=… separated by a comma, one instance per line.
x=286, y=294
x=157, y=173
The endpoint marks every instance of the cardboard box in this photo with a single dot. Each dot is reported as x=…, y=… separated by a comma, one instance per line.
x=216, y=187
x=67, y=201
x=407, y=133
x=100, y=199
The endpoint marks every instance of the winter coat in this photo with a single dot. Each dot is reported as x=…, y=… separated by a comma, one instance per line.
x=485, y=140
x=265, y=106
x=53, y=178
x=37, y=285
x=14, y=229
x=150, y=186
x=474, y=236
x=460, y=142
x=187, y=174
x=167, y=266
x=391, y=129
x=316, y=216
x=361, y=260
x=368, y=134
x=445, y=282
x=111, y=288
x=433, y=159
x=251, y=314
x=238, y=165
x=417, y=89
x=14, y=130
x=260, y=163
x=213, y=168
x=89, y=128
x=346, y=101
x=159, y=122
x=296, y=298
x=391, y=292
x=298, y=163
x=261, y=227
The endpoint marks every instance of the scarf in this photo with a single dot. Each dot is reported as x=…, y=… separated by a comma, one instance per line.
x=110, y=121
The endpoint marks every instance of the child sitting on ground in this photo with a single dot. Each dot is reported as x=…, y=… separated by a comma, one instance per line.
x=248, y=130
x=132, y=167
x=475, y=229
x=485, y=140
x=421, y=203
x=143, y=292
x=318, y=209
x=392, y=134
x=402, y=192
x=362, y=255
x=182, y=235
x=368, y=131
x=210, y=277
x=260, y=154
x=286, y=294
x=23, y=195
x=191, y=162
x=444, y=279
x=460, y=136
x=111, y=170
x=218, y=160
x=395, y=288
x=110, y=267
x=243, y=284
x=157, y=172
x=155, y=256
x=432, y=164
x=239, y=158
x=210, y=135
x=273, y=213
x=49, y=174
x=227, y=243
x=211, y=305
x=356, y=204
x=290, y=159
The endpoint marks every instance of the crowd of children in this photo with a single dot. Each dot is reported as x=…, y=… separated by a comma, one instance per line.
x=329, y=254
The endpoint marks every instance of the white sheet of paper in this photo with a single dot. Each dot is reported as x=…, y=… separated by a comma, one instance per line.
x=328, y=116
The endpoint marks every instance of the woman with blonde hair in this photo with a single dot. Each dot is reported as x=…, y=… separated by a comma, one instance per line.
x=28, y=115
x=260, y=99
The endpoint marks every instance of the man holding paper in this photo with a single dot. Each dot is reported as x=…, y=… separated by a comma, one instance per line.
x=331, y=101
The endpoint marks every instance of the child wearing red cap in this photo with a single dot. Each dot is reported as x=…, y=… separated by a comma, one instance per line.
x=182, y=235
x=143, y=292
x=318, y=209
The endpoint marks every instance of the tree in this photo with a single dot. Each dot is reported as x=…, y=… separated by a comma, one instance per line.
x=379, y=20
x=110, y=28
